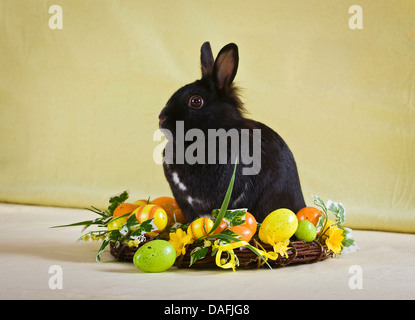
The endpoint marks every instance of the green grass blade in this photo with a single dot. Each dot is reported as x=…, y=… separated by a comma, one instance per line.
x=225, y=202
x=82, y=223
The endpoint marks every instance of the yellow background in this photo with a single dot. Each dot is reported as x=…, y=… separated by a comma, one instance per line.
x=79, y=106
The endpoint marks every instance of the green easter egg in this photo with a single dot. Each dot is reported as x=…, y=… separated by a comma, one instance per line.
x=155, y=256
x=305, y=231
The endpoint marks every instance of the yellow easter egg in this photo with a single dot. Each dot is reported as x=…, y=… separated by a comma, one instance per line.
x=279, y=225
x=116, y=223
x=199, y=228
x=149, y=211
x=142, y=202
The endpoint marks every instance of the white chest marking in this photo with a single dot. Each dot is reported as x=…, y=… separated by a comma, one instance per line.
x=177, y=181
x=193, y=200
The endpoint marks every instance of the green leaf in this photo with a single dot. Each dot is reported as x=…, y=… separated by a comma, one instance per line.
x=102, y=220
x=197, y=253
x=97, y=211
x=115, y=236
x=81, y=223
x=347, y=242
x=321, y=222
x=148, y=225
x=232, y=217
x=347, y=232
x=229, y=236
x=144, y=227
x=131, y=223
x=225, y=202
x=235, y=216
x=319, y=202
x=110, y=219
x=215, y=213
x=338, y=210
x=101, y=249
x=115, y=201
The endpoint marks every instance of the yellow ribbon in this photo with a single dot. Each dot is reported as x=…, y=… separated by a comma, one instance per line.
x=228, y=248
x=268, y=255
x=232, y=261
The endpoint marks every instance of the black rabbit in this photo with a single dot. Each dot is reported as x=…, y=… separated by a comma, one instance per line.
x=211, y=104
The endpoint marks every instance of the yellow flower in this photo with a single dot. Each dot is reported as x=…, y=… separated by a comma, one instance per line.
x=279, y=247
x=135, y=242
x=207, y=243
x=179, y=240
x=282, y=247
x=334, y=239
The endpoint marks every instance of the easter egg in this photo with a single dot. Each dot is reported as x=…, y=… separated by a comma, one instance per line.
x=305, y=231
x=279, y=225
x=149, y=211
x=250, y=222
x=116, y=223
x=199, y=228
x=222, y=226
x=309, y=213
x=172, y=209
x=245, y=234
x=124, y=208
x=167, y=203
x=155, y=256
x=142, y=202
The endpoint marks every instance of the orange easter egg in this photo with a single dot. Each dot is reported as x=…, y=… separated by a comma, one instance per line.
x=250, y=222
x=124, y=208
x=244, y=232
x=222, y=226
x=171, y=207
x=149, y=211
x=309, y=213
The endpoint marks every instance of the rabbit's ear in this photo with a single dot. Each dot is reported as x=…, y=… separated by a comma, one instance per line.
x=225, y=67
x=206, y=60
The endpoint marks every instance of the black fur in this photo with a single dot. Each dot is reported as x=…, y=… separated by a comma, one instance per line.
x=200, y=188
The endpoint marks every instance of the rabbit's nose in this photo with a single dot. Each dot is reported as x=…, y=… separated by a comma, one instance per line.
x=161, y=119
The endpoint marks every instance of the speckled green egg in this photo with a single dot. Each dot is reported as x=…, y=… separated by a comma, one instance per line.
x=155, y=256
x=279, y=225
x=305, y=231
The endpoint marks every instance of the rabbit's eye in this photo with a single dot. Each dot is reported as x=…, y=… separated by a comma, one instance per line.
x=196, y=102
